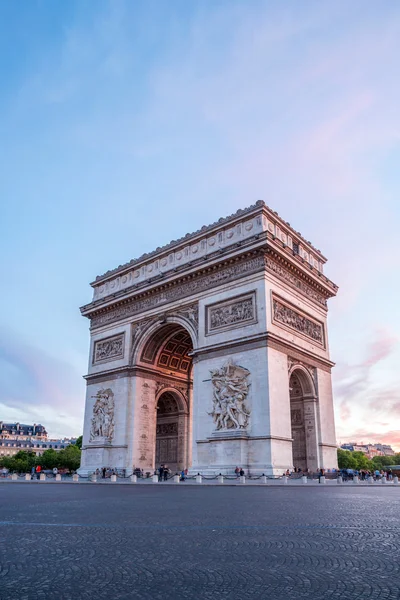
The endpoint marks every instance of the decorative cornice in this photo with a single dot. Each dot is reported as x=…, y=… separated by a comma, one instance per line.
x=120, y=307
x=138, y=371
x=223, y=237
x=208, y=278
x=189, y=236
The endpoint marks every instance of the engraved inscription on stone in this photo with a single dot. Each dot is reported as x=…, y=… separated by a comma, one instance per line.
x=282, y=313
x=110, y=348
x=236, y=312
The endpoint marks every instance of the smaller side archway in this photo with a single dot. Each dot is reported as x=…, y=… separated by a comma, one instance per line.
x=303, y=413
x=171, y=448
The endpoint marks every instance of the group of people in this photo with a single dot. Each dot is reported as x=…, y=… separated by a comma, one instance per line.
x=365, y=475
x=239, y=472
x=106, y=472
x=163, y=472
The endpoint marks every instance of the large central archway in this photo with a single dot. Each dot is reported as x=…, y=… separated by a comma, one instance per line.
x=164, y=363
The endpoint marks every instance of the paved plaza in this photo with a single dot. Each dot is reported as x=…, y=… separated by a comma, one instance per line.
x=100, y=542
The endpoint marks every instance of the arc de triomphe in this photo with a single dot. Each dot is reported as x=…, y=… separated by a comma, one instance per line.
x=212, y=352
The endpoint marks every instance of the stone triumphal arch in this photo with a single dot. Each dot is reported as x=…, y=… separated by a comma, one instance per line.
x=212, y=352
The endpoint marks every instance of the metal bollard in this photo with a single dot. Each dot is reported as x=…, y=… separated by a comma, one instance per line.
x=199, y=478
x=27, y=477
x=155, y=478
x=42, y=477
x=395, y=480
x=58, y=477
x=75, y=477
x=264, y=479
x=242, y=479
x=339, y=479
x=133, y=478
x=220, y=479
x=356, y=480
x=304, y=480
x=113, y=478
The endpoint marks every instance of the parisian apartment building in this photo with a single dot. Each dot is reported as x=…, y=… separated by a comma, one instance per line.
x=370, y=450
x=30, y=438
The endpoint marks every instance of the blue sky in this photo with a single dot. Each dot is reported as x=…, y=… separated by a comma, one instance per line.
x=127, y=124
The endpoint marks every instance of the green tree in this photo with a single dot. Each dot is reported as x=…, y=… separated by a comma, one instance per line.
x=346, y=459
x=49, y=459
x=70, y=458
x=22, y=462
x=78, y=442
x=379, y=462
x=362, y=462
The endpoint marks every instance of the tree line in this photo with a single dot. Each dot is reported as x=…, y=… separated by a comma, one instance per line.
x=22, y=462
x=360, y=462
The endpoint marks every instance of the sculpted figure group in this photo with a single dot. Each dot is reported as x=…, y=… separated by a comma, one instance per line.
x=230, y=389
x=102, y=425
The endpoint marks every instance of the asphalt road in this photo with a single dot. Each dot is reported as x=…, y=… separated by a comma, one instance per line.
x=98, y=542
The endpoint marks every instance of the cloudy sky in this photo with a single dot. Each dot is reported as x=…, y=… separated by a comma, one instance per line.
x=127, y=124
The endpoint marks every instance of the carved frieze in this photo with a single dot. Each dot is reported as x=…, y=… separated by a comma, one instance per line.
x=111, y=348
x=102, y=423
x=293, y=280
x=235, y=312
x=137, y=329
x=230, y=390
x=284, y=314
x=191, y=313
x=193, y=286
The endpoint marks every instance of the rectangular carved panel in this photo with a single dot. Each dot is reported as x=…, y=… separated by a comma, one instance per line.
x=235, y=312
x=285, y=314
x=108, y=349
